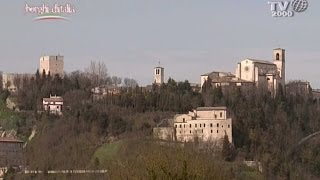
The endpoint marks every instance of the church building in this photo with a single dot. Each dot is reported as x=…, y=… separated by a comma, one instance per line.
x=257, y=72
x=263, y=72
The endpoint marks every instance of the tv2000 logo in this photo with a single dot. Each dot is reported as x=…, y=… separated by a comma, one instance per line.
x=281, y=8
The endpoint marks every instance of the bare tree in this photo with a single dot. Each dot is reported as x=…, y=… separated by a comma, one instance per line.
x=17, y=81
x=130, y=82
x=116, y=80
x=97, y=73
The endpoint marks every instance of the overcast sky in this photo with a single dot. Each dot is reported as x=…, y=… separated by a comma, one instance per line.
x=188, y=37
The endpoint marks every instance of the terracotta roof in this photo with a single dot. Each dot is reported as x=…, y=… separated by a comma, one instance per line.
x=180, y=115
x=260, y=61
x=211, y=108
x=55, y=99
x=8, y=139
x=228, y=80
x=218, y=74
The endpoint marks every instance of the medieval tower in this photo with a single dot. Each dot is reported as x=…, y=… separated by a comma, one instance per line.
x=279, y=60
x=158, y=75
x=52, y=65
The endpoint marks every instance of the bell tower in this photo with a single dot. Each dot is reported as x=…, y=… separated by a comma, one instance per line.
x=158, y=75
x=279, y=59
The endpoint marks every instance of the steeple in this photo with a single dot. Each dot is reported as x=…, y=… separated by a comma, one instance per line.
x=158, y=74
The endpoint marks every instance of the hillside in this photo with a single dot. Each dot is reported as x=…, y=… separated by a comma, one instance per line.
x=114, y=132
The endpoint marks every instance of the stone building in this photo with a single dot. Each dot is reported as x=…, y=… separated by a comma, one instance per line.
x=204, y=123
x=164, y=133
x=223, y=79
x=302, y=88
x=269, y=74
x=207, y=124
x=13, y=81
x=52, y=64
x=11, y=153
x=316, y=94
x=53, y=104
x=158, y=75
x=264, y=73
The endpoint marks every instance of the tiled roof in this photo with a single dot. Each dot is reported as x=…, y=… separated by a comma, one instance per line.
x=55, y=99
x=216, y=73
x=211, y=108
x=260, y=61
x=228, y=80
x=9, y=139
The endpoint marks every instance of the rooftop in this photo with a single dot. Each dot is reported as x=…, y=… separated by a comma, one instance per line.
x=10, y=139
x=260, y=61
x=159, y=67
x=218, y=73
x=228, y=79
x=53, y=99
x=211, y=108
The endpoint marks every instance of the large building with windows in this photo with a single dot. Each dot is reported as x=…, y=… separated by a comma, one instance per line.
x=270, y=74
x=205, y=124
x=11, y=153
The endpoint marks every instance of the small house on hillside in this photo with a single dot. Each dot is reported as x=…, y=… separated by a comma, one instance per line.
x=53, y=104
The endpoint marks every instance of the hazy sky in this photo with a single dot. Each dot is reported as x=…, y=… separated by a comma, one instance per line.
x=188, y=37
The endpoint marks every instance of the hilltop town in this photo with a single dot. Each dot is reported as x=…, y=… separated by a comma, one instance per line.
x=251, y=122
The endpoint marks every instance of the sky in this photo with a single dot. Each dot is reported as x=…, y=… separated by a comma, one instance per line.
x=188, y=37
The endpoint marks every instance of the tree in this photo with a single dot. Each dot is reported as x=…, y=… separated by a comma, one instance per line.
x=228, y=151
x=97, y=72
x=116, y=80
x=130, y=82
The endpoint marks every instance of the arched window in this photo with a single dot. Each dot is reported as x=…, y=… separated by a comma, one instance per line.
x=277, y=56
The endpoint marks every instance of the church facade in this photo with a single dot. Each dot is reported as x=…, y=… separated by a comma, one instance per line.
x=270, y=74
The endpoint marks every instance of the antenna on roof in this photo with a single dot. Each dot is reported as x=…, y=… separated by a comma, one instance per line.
x=159, y=63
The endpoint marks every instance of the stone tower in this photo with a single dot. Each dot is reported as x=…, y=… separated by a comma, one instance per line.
x=279, y=57
x=158, y=75
x=52, y=64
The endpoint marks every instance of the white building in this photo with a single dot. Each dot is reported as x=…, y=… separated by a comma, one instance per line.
x=52, y=64
x=223, y=79
x=13, y=81
x=204, y=123
x=253, y=71
x=158, y=75
x=262, y=72
x=53, y=104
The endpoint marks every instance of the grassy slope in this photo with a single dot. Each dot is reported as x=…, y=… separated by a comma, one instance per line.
x=111, y=151
x=107, y=152
x=8, y=118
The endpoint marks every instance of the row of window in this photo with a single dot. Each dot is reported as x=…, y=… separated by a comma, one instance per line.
x=215, y=116
x=196, y=125
x=201, y=131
